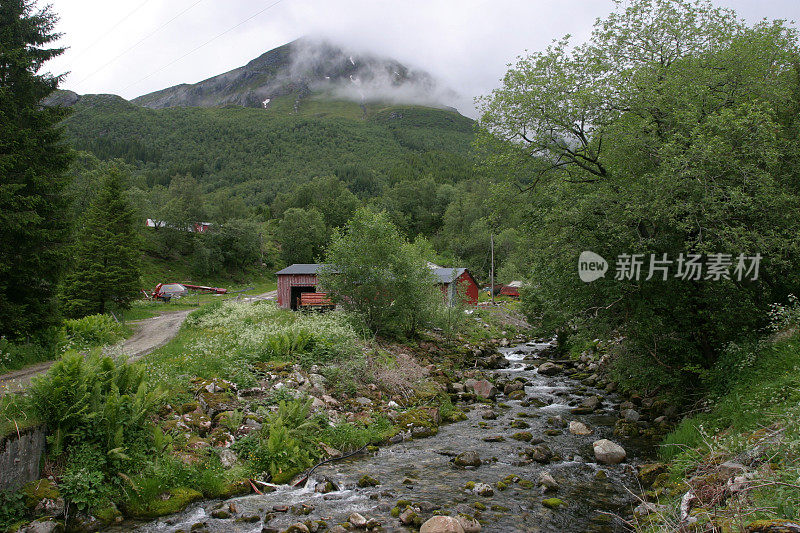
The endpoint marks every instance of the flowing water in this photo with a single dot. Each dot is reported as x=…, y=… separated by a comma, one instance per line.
x=422, y=471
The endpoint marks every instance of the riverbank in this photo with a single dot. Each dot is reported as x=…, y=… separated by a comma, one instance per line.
x=735, y=466
x=522, y=459
x=234, y=375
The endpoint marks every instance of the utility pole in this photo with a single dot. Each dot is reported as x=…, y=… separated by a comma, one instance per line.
x=492, y=240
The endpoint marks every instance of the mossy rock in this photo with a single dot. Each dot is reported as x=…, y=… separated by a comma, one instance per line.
x=107, y=514
x=188, y=407
x=526, y=484
x=172, y=501
x=237, y=488
x=419, y=417
x=553, y=503
x=479, y=506
x=524, y=436
x=456, y=415
x=469, y=485
x=395, y=512
x=36, y=491
x=282, y=478
x=773, y=526
x=367, y=481
x=650, y=473
x=520, y=424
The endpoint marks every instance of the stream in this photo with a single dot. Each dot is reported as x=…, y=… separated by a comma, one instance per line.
x=422, y=471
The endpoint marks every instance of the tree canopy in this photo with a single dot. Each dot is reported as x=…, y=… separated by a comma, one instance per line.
x=673, y=130
x=33, y=161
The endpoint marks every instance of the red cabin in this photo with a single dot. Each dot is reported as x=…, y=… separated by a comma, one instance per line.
x=295, y=280
x=456, y=282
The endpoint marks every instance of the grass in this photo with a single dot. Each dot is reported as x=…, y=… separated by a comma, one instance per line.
x=144, y=309
x=759, y=415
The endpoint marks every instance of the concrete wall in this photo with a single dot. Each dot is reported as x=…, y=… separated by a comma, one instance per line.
x=20, y=457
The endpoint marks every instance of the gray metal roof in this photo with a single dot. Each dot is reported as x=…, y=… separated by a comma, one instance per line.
x=301, y=268
x=447, y=275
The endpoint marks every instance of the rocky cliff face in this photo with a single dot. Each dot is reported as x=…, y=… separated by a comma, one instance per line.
x=302, y=68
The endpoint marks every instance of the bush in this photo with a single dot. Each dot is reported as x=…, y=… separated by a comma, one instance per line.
x=92, y=400
x=91, y=331
x=285, y=446
x=12, y=509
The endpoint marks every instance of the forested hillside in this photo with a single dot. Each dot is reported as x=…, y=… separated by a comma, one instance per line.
x=324, y=155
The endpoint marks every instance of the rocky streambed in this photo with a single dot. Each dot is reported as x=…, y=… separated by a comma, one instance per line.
x=523, y=460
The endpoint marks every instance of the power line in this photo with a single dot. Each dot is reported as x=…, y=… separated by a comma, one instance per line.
x=143, y=39
x=111, y=29
x=193, y=50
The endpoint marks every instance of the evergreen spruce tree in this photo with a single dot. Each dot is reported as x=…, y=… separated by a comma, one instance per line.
x=105, y=272
x=33, y=161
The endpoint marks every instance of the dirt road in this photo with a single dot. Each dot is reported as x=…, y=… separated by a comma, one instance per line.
x=151, y=334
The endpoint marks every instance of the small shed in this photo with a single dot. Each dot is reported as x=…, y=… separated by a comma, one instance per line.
x=453, y=281
x=293, y=281
x=512, y=289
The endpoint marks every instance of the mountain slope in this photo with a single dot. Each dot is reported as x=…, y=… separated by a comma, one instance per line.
x=301, y=68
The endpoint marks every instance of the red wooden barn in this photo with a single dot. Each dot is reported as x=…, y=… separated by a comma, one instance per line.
x=456, y=282
x=297, y=279
x=293, y=281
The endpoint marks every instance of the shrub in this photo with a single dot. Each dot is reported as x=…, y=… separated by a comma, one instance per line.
x=92, y=400
x=12, y=509
x=92, y=330
x=286, y=445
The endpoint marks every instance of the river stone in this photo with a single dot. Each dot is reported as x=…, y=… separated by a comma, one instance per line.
x=357, y=520
x=484, y=389
x=408, y=516
x=513, y=386
x=469, y=524
x=607, y=452
x=550, y=369
x=489, y=415
x=547, y=482
x=630, y=415
x=517, y=395
x=228, y=458
x=592, y=402
x=43, y=526
x=468, y=458
x=540, y=453
x=442, y=524
x=579, y=428
x=297, y=527
x=482, y=489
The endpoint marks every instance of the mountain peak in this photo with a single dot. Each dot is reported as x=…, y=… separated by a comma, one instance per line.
x=303, y=68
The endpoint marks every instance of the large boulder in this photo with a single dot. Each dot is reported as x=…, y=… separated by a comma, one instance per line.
x=579, y=428
x=550, y=369
x=484, y=389
x=609, y=453
x=469, y=458
x=442, y=524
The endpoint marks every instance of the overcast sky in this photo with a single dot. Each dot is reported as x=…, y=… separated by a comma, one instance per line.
x=121, y=47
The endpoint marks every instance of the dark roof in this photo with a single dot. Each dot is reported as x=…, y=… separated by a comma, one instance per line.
x=301, y=268
x=447, y=275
